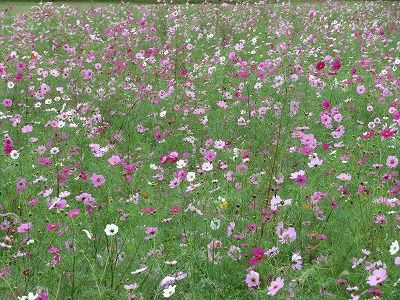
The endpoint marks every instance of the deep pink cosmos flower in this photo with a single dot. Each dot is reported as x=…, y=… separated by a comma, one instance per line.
x=336, y=65
x=52, y=227
x=387, y=133
x=7, y=145
x=7, y=102
x=258, y=255
x=175, y=209
x=326, y=104
x=320, y=65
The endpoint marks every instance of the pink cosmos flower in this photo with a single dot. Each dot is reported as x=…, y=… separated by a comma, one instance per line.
x=288, y=235
x=113, y=160
x=210, y=155
x=52, y=227
x=27, y=129
x=7, y=102
x=173, y=156
x=275, y=286
x=33, y=202
x=151, y=232
x=300, y=177
x=344, y=177
x=252, y=279
x=24, y=227
x=360, y=89
x=377, y=277
x=74, y=212
x=397, y=261
x=97, y=180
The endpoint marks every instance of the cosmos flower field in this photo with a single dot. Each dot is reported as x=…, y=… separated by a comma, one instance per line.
x=231, y=151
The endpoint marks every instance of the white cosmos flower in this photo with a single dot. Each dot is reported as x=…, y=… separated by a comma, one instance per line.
x=54, y=150
x=190, y=176
x=88, y=234
x=207, y=166
x=111, y=229
x=394, y=248
x=169, y=291
x=31, y=296
x=180, y=164
x=215, y=224
x=14, y=154
x=139, y=270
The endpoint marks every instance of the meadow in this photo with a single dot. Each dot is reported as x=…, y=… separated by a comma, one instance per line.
x=200, y=151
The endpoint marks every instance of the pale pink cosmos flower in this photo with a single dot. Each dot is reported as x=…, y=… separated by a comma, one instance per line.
x=275, y=286
x=397, y=261
x=27, y=129
x=252, y=279
x=377, y=277
x=360, y=89
x=277, y=201
x=392, y=161
x=113, y=160
x=344, y=177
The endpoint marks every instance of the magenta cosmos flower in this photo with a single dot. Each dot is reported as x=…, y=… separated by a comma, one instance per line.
x=320, y=65
x=336, y=65
x=275, y=286
x=258, y=255
x=7, y=102
x=97, y=180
